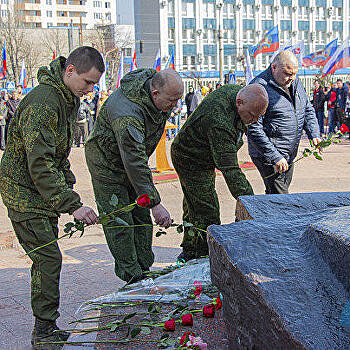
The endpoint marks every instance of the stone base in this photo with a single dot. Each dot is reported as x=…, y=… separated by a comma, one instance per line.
x=281, y=289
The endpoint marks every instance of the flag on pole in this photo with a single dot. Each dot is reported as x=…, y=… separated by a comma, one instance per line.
x=340, y=59
x=171, y=61
x=268, y=44
x=299, y=51
x=121, y=70
x=53, y=55
x=133, y=62
x=23, y=76
x=3, y=69
x=157, y=63
x=249, y=71
x=321, y=57
x=102, y=86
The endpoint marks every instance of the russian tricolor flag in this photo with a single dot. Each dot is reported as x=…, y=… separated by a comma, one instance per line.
x=23, y=76
x=3, y=69
x=340, y=59
x=268, y=44
x=171, y=61
x=157, y=63
x=121, y=70
x=133, y=63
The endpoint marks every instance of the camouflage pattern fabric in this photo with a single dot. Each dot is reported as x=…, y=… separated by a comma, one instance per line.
x=131, y=247
x=127, y=131
x=209, y=139
x=35, y=176
x=46, y=267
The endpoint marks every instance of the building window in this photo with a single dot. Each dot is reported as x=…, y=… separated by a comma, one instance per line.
x=108, y=16
x=209, y=10
x=193, y=60
x=184, y=61
x=49, y=24
x=60, y=2
x=48, y=13
x=206, y=60
x=107, y=5
x=48, y=2
x=97, y=4
x=3, y=13
x=171, y=34
x=4, y=2
x=171, y=7
x=213, y=60
x=61, y=14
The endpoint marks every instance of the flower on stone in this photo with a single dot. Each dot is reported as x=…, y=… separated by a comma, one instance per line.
x=143, y=200
x=187, y=320
x=169, y=325
x=198, y=287
x=197, y=341
x=209, y=310
x=343, y=129
x=185, y=337
x=218, y=304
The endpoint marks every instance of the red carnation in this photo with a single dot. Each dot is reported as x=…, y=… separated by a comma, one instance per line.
x=143, y=200
x=198, y=290
x=187, y=320
x=185, y=337
x=209, y=310
x=169, y=325
x=218, y=303
x=343, y=129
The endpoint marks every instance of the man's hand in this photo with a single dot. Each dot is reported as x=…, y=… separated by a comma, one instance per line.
x=316, y=140
x=161, y=216
x=86, y=214
x=281, y=166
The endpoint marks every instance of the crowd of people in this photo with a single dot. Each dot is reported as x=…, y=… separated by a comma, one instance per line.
x=124, y=128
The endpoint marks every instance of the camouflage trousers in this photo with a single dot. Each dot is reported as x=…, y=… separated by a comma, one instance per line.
x=200, y=208
x=131, y=247
x=47, y=263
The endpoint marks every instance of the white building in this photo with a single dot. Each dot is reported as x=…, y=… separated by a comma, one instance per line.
x=51, y=13
x=189, y=28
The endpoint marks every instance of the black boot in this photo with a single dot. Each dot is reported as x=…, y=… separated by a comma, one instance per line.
x=47, y=331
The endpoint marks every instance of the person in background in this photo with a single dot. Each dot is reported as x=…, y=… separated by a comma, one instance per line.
x=81, y=126
x=331, y=99
x=210, y=87
x=11, y=105
x=198, y=97
x=188, y=100
x=342, y=94
x=318, y=100
x=218, y=86
x=19, y=90
x=175, y=119
x=3, y=111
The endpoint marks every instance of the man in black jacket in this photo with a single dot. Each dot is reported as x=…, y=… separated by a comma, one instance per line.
x=188, y=100
x=318, y=100
x=273, y=141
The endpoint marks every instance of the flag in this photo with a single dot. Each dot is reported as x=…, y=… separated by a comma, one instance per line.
x=171, y=61
x=53, y=55
x=157, y=63
x=121, y=70
x=3, y=69
x=23, y=76
x=269, y=43
x=102, y=86
x=133, y=63
x=321, y=57
x=340, y=59
x=299, y=51
x=232, y=78
x=280, y=49
x=249, y=71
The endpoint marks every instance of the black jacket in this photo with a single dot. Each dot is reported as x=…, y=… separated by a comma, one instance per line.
x=277, y=133
x=318, y=99
x=342, y=94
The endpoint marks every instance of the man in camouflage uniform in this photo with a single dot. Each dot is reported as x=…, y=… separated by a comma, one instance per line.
x=127, y=131
x=210, y=139
x=36, y=182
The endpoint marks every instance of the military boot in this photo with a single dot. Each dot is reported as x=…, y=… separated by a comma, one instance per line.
x=47, y=331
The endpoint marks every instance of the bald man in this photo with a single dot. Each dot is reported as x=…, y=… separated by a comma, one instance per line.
x=126, y=133
x=210, y=139
x=273, y=141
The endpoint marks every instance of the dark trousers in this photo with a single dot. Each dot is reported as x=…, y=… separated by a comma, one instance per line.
x=2, y=137
x=277, y=183
x=131, y=247
x=320, y=119
x=47, y=263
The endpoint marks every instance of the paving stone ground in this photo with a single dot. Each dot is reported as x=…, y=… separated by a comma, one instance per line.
x=87, y=264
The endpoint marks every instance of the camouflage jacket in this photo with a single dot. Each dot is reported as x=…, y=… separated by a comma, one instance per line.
x=211, y=137
x=35, y=175
x=127, y=131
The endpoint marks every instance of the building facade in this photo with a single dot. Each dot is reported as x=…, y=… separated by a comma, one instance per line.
x=190, y=28
x=61, y=13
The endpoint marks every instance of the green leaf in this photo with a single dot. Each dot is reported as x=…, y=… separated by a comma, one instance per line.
x=317, y=156
x=120, y=221
x=66, y=229
x=150, y=308
x=191, y=232
x=145, y=330
x=114, y=201
x=187, y=224
x=129, y=316
x=104, y=220
x=135, y=332
x=180, y=229
x=69, y=225
x=159, y=233
x=113, y=327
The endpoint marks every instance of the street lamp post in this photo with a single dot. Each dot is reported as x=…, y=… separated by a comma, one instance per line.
x=221, y=49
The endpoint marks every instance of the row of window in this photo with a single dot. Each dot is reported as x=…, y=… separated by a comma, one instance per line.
x=100, y=4
x=64, y=14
